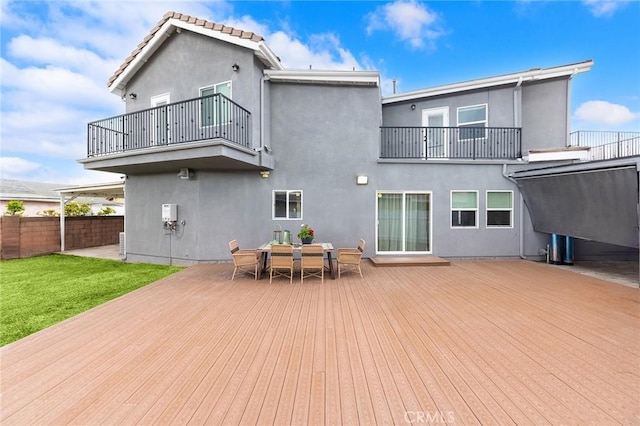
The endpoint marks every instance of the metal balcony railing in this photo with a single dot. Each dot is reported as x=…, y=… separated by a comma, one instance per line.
x=607, y=145
x=450, y=142
x=199, y=119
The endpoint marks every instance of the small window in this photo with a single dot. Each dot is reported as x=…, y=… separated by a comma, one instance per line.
x=499, y=209
x=215, y=108
x=464, y=209
x=472, y=121
x=287, y=204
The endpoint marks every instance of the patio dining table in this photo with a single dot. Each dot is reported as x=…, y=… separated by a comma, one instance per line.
x=265, y=249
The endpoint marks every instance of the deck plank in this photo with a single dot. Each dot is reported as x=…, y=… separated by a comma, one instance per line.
x=493, y=342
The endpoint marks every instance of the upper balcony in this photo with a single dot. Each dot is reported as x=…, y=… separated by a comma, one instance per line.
x=472, y=143
x=210, y=133
x=607, y=145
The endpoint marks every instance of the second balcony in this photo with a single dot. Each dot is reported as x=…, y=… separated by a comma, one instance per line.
x=210, y=132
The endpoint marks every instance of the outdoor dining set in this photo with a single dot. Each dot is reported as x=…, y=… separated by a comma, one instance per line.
x=280, y=261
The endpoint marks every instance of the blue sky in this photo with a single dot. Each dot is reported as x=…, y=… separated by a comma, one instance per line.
x=56, y=58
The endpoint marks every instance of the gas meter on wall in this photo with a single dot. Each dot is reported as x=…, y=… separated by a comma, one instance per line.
x=169, y=212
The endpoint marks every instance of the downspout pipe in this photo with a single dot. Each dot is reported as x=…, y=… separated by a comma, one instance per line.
x=521, y=215
x=263, y=81
x=517, y=109
x=517, y=122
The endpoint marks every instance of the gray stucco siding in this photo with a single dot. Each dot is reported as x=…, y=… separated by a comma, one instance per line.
x=499, y=101
x=440, y=180
x=545, y=114
x=321, y=139
x=146, y=239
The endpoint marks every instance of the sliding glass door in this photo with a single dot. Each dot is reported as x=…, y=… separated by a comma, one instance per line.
x=404, y=222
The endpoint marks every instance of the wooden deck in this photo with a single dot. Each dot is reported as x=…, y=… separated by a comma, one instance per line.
x=479, y=342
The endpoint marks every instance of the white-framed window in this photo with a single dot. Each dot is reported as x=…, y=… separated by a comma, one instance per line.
x=287, y=204
x=464, y=209
x=499, y=209
x=472, y=121
x=213, y=108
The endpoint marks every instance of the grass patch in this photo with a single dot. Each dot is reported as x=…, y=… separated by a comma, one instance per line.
x=41, y=291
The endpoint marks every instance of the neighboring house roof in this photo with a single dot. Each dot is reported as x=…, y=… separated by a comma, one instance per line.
x=173, y=21
x=28, y=191
x=515, y=78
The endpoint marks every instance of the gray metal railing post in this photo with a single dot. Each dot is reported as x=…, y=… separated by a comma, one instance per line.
x=123, y=126
x=619, y=146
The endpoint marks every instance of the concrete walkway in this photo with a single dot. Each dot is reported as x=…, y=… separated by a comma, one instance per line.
x=103, y=252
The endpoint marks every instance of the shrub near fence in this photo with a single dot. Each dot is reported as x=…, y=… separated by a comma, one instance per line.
x=33, y=236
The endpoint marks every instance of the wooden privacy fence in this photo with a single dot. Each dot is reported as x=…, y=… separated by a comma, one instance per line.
x=33, y=236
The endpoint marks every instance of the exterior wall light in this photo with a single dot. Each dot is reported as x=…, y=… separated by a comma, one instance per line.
x=132, y=95
x=235, y=67
x=186, y=173
x=362, y=180
x=413, y=106
x=264, y=174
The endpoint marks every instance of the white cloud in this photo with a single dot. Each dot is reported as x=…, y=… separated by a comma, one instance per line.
x=603, y=8
x=49, y=52
x=45, y=109
x=409, y=20
x=603, y=113
x=57, y=84
x=112, y=28
x=323, y=52
x=17, y=168
x=21, y=169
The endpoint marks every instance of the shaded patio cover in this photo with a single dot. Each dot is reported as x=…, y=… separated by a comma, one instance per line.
x=596, y=204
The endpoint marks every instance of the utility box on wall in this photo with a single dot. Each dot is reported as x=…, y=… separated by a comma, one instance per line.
x=169, y=212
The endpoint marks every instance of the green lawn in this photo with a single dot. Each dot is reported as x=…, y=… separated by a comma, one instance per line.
x=41, y=291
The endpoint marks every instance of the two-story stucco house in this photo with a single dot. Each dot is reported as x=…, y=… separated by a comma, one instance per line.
x=241, y=146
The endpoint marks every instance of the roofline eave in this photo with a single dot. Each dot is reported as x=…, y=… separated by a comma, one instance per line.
x=524, y=76
x=368, y=78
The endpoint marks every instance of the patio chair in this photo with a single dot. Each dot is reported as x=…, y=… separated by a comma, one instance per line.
x=281, y=261
x=312, y=261
x=349, y=259
x=246, y=260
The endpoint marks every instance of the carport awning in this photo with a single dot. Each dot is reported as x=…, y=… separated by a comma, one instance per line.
x=599, y=204
x=101, y=190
